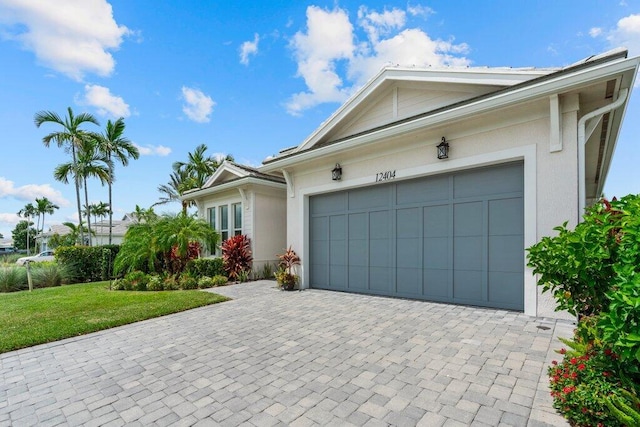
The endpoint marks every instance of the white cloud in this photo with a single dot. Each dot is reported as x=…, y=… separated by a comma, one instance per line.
x=9, y=218
x=153, y=150
x=329, y=38
x=198, y=106
x=375, y=23
x=595, y=32
x=249, y=48
x=419, y=10
x=73, y=37
x=107, y=104
x=627, y=34
x=330, y=42
x=29, y=192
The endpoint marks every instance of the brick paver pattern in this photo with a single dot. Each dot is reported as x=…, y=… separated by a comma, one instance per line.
x=293, y=358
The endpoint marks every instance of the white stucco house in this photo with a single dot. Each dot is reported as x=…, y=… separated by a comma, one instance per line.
x=430, y=183
x=99, y=237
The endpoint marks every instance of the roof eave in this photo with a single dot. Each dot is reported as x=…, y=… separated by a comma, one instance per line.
x=510, y=96
x=248, y=180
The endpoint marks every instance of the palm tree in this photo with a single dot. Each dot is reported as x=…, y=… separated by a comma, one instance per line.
x=199, y=166
x=179, y=183
x=89, y=164
x=27, y=212
x=70, y=137
x=99, y=210
x=76, y=231
x=45, y=206
x=113, y=144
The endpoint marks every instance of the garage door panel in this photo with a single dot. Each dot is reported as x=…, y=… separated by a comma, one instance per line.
x=408, y=222
x=338, y=276
x=358, y=226
x=368, y=198
x=380, y=279
x=505, y=254
x=467, y=285
x=436, y=221
x=504, y=288
x=318, y=275
x=380, y=225
x=337, y=227
x=468, y=253
x=358, y=252
x=326, y=203
x=319, y=228
x=436, y=282
x=320, y=254
x=337, y=252
x=380, y=253
x=423, y=190
x=468, y=219
x=488, y=181
x=409, y=281
x=409, y=253
x=358, y=277
x=506, y=217
x=436, y=253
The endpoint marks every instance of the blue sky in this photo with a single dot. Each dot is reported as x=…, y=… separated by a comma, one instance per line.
x=250, y=78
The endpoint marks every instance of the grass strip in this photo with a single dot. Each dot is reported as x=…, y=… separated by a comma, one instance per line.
x=51, y=314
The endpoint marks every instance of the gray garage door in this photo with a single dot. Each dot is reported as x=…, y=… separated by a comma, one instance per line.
x=452, y=238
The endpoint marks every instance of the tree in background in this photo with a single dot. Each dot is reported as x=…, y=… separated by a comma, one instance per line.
x=24, y=236
x=98, y=210
x=28, y=212
x=190, y=175
x=44, y=206
x=114, y=145
x=70, y=138
x=90, y=163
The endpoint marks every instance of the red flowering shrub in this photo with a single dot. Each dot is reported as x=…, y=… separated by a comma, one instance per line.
x=581, y=385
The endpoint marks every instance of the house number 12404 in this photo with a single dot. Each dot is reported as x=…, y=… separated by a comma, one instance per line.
x=385, y=176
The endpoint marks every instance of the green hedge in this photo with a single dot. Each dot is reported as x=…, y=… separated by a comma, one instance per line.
x=88, y=263
x=201, y=267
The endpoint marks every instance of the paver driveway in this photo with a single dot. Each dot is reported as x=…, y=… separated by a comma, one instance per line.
x=292, y=358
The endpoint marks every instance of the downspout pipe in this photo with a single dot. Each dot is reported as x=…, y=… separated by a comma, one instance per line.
x=582, y=125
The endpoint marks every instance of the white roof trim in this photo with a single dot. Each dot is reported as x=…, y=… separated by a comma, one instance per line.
x=474, y=76
x=247, y=180
x=225, y=167
x=559, y=84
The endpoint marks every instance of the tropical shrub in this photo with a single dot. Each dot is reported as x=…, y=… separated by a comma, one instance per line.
x=138, y=280
x=155, y=283
x=88, y=263
x=48, y=274
x=188, y=282
x=237, y=256
x=206, y=282
x=13, y=278
x=594, y=273
x=266, y=272
x=285, y=275
x=205, y=267
x=170, y=283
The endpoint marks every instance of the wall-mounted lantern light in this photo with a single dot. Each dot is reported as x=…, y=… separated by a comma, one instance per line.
x=336, y=173
x=443, y=149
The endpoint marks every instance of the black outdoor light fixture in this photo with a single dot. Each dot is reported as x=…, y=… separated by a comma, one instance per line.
x=443, y=149
x=336, y=173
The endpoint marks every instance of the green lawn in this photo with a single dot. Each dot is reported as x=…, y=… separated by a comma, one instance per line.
x=51, y=314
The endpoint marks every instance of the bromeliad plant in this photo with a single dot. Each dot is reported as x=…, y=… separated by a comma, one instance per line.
x=285, y=276
x=237, y=256
x=593, y=272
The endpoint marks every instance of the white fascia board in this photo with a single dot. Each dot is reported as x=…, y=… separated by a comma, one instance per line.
x=560, y=84
x=232, y=185
x=473, y=76
x=225, y=166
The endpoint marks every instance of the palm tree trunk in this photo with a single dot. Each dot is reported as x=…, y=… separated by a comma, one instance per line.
x=110, y=201
x=77, y=182
x=86, y=200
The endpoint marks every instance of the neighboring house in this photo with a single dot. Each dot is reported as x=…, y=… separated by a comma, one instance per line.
x=375, y=205
x=239, y=199
x=99, y=237
x=6, y=246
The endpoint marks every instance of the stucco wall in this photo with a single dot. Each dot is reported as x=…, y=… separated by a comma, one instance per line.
x=270, y=224
x=517, y=133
